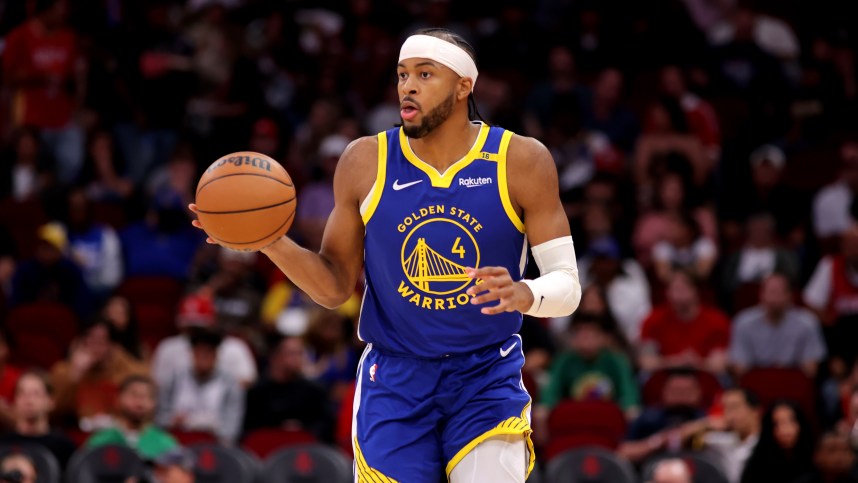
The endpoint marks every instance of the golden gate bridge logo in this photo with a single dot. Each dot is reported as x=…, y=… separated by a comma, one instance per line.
x=435, y=270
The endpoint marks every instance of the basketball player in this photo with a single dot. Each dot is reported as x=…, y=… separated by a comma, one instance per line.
x=439, y=211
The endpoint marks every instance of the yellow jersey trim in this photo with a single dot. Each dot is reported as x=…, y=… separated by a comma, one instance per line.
x=378, y=187
x=503, y=187
x=444, y=180
x=367, y=474
x=511, y=426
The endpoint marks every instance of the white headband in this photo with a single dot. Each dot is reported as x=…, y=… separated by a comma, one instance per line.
x=451, y=55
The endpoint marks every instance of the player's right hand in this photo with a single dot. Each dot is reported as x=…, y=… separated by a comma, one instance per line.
x=196, y=223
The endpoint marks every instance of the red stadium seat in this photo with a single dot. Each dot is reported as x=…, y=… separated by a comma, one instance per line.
x=109, y=213
x=23, y=219
x=344, y=421
x=155, y=323
x=746, y=295
x=155, y=290
x=37, y=351
x=263, y=442
x=771, y=384
x=188, y=438
x=651, y=393
x=44, y=318
x=574, y=424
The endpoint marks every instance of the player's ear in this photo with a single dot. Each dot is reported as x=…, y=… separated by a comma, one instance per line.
x=463, y=88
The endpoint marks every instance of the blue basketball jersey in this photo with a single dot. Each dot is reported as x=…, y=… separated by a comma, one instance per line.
x=423, y=229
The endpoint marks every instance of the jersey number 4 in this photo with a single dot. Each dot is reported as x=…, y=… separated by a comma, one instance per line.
x=458, y=249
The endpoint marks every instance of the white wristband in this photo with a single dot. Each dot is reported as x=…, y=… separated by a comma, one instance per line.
x=557, y=292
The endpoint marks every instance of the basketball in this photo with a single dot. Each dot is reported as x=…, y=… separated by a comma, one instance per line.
x=245, y=201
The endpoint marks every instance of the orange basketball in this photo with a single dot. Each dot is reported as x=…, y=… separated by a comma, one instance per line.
x=245, y=201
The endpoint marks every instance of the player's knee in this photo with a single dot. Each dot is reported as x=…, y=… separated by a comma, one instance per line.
x=501, y=459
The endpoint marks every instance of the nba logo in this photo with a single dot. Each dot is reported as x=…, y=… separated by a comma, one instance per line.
x=372, y=371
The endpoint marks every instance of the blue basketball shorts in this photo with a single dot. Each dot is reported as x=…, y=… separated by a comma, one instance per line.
x=415, y=418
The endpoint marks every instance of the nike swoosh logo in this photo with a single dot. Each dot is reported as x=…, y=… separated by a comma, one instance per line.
x=505, y=352
x=397, y=186
x=541, y=299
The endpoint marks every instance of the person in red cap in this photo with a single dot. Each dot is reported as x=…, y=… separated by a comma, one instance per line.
x=173, y=354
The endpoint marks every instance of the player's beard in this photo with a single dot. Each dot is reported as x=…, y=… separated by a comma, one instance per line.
x=433, y=119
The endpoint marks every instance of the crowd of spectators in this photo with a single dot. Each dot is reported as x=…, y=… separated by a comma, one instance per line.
x=708, y=162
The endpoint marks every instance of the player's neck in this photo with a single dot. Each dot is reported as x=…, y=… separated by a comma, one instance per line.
x=447, y=143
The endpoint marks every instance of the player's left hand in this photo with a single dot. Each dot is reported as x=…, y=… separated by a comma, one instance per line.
x=497, y=284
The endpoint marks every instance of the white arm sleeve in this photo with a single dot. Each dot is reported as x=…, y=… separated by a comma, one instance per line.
x=557, y=292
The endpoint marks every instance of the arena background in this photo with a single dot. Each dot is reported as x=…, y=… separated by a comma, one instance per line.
x=702, y=146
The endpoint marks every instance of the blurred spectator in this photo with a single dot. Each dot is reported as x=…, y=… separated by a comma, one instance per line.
x=172, y=185
x=321, y=122
x=588, y=369
x=700, y=116
x=662, y=427
x=203, y=397
x=742, y=68
x=317, y=197
x=760, y=256
x=133, y=425
x=33, y=405
x=8, y=251
x=770, y=34
x=236, y=300
x=730, y=441
x=103, y=176
x=684, y=331
x=9, y=376
x=785, y=449
x=265, y=138
x=94, y=246
x=685, y=248
x=20, y=467
x=766, y=192
x=333, y=359
x=776, y=333
x=671, y=470
x=672, y=199
x=832, y=290
x=834, y=461
x=624, y=281
x=666, y=145
x=174, y=354
x=87, y=382
x=163, y=243
x=43, y=67
x=831, y=204
x=23, y=174
x=51, y=276
x=550, y=99
x=154, y=83
x=118, y=312
x=832, y=293
x=604, y=112
x=286, y=398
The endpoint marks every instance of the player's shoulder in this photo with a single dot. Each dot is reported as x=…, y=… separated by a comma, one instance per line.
x=359, y=155
x=526, y=149
x=529, y=162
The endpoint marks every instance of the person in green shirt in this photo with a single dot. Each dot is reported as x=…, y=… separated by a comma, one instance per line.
x=133, y=422
x=592, y=369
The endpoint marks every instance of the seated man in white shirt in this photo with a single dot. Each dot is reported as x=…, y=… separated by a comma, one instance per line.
x=203, y=397
x=173, y=354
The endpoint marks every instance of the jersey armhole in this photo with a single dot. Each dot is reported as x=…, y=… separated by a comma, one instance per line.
x=503, y=188
x=370, y=203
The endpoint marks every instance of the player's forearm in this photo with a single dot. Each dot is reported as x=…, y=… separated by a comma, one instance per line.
x=311, y=272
